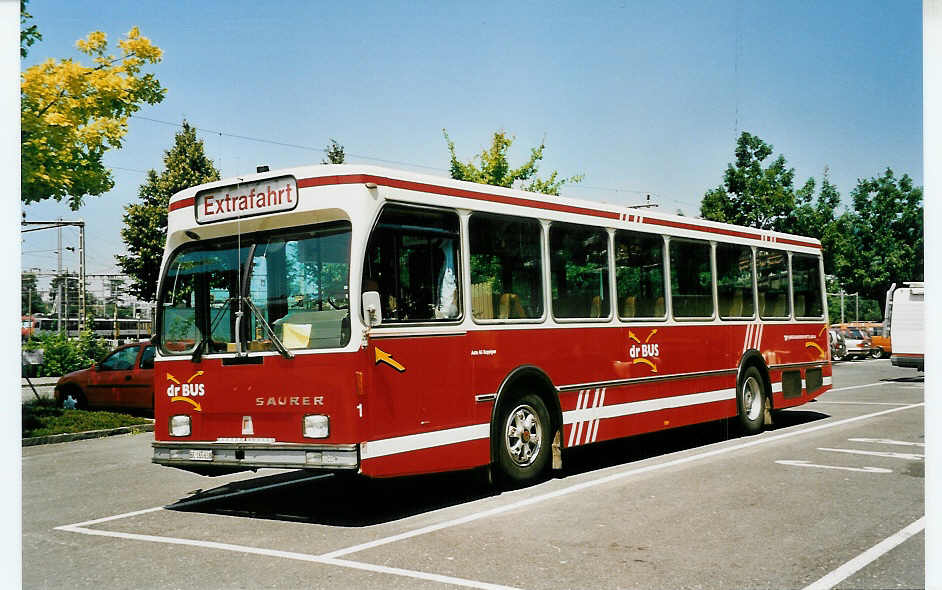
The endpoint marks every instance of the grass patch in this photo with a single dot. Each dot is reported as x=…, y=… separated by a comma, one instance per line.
x=43, y=418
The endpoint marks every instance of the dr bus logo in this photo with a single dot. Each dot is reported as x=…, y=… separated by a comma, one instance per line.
x=643, y=352
x=184, y=392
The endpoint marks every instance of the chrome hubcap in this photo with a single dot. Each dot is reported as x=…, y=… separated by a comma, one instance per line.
x=751, y=398
x=523, y=435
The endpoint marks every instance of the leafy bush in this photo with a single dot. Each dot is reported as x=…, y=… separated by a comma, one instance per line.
x=42, y=418
x=62, y=355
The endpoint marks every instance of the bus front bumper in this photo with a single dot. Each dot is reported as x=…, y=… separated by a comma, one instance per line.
x=245, y=455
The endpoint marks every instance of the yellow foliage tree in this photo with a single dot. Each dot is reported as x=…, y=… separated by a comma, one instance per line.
x=71, y=114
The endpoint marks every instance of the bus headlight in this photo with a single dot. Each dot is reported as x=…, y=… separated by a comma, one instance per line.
x=316, y=426
x=179, y=426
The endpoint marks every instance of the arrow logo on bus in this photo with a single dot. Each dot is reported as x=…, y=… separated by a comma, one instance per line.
x=385, y=357
x=815, y=345
x=189, y=400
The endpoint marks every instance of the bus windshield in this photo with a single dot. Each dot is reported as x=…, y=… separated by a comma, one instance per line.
x=296, y=281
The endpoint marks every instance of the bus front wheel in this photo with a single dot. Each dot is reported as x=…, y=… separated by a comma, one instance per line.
x=750, y=395
x=525, y=434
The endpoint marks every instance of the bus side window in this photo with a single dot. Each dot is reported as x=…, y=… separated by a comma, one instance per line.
x=691, y=279
x=734, y=281
x=506, y=268
x=806, y=286
x=639, y=275
x=579, y=271
x=412, y=261
x=772, y=280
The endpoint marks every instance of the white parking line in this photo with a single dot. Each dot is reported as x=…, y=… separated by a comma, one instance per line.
x=887, y=441
x=330, y=558
x=593, y=483
x=824, y=401
x=284, y=555
x=857, y=387
x=870, y=555
x=887, y=454
x=838, y=467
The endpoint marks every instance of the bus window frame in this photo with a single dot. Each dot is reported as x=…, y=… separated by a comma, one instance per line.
x=791, y=286
x=157, y=320
x=755, y=302
x=548, y=288
x=665, y=277
x=459, y=272
x=788, y=267
x=544, y=270
x=692, y=319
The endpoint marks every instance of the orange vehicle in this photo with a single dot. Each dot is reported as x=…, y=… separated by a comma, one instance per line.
x=880, y=346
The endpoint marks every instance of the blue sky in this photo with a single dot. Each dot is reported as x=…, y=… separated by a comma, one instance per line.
x=638, y=96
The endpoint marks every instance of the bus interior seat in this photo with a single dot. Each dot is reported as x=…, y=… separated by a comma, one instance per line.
x=509, y=307
x=735, y=304
x=659, y=307
x=595, y=309
x=628, y=307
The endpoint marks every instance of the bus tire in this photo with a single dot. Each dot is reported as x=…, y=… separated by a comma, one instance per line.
x=751, y=400
x=525, y=436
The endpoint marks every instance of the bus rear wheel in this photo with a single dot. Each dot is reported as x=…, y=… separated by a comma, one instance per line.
x=750, y=396
x=524, y=429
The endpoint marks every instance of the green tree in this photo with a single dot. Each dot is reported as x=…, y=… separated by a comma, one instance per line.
x=818, y=217
x=753, y=195
x=28, y=34
x=145, y=222
x=495, y=169
x=32, y=301
x=884, y=242
x=335, y=153
x=71, y=114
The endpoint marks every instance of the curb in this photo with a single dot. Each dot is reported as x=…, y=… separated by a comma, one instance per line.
x=61, y=438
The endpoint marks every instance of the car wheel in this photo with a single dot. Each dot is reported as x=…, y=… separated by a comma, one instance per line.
x=882, y=353
x=525, y=433
x=750, y=396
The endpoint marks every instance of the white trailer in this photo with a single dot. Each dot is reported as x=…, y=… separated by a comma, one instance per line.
x=907, y=325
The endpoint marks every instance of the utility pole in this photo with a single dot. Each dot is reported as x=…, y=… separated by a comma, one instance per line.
x=58, y=224
x=59, y=274
x=81, y=320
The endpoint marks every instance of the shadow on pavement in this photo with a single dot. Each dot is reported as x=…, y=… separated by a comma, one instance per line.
x=916, y=379
x=354, y=501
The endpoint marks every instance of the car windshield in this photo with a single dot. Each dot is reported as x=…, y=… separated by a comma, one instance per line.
x=296, y=282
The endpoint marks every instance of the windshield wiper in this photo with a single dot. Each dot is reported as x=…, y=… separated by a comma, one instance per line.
x=198, y=353
x=271, y=332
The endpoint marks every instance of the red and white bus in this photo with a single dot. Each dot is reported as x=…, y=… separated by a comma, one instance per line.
x=358, y=318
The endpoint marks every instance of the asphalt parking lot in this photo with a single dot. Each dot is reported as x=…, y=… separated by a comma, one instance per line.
x=699, y=507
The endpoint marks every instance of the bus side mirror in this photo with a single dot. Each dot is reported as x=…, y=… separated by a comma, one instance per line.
x=372, y=311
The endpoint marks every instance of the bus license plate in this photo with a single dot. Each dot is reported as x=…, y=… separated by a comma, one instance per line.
x=201, y=454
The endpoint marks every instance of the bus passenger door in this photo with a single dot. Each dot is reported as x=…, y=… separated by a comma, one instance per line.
x=423, y=383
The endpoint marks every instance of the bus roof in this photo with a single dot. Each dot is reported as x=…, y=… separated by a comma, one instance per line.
x=319, y=175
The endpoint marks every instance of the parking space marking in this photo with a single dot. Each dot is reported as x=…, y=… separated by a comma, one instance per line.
x=331, y=558
x=856, y=387
x=824, y=401
x=282, y=554
x=603, y=480
x=870, y=555
x=907, y=456
x=838, y=467
x=887, y=441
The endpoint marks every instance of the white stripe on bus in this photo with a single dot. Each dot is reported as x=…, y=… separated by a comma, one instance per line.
x=427, y=440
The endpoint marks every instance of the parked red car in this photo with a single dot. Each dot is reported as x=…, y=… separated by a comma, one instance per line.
x=124, y=379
